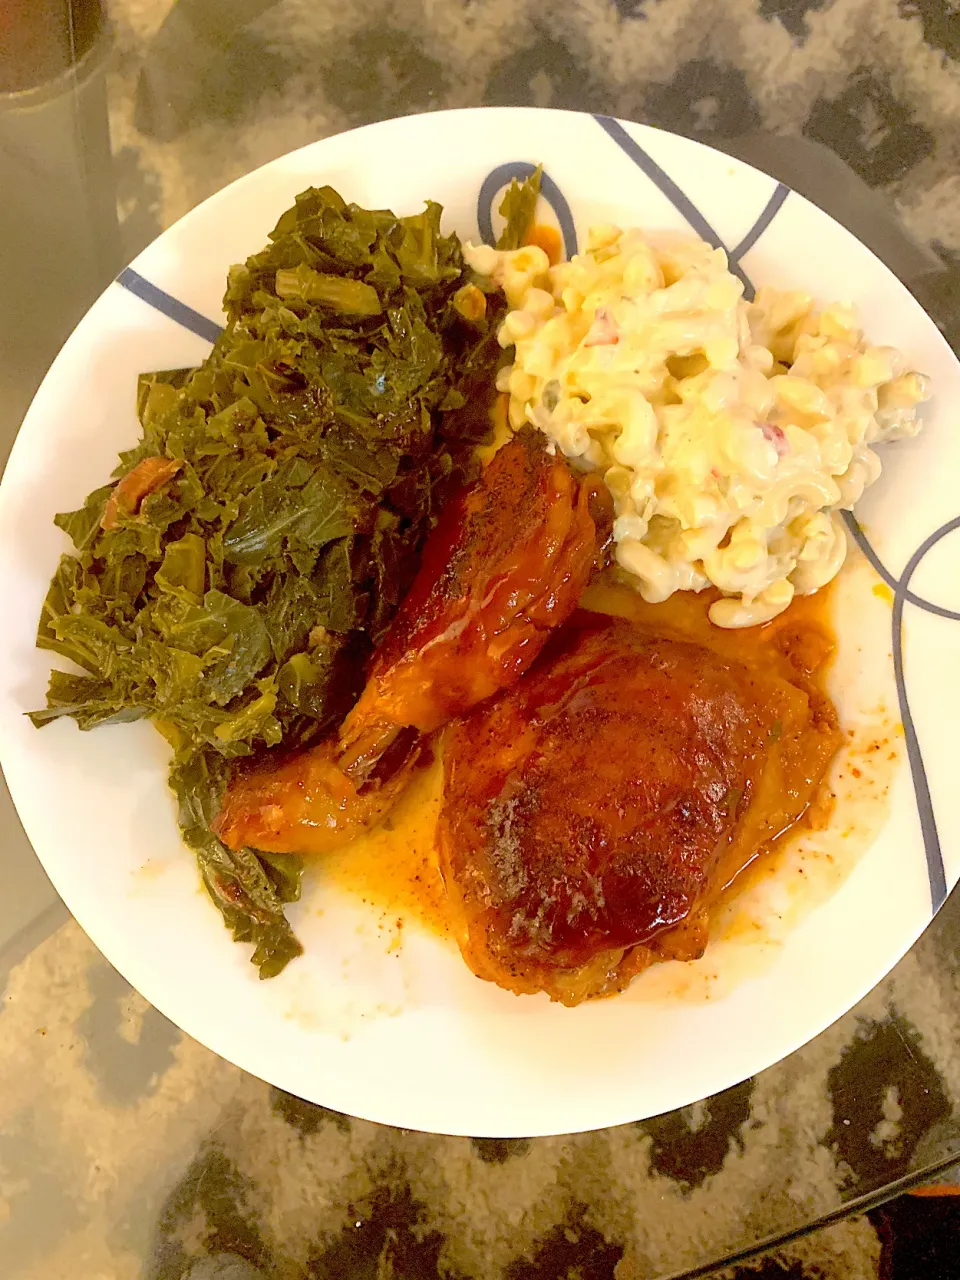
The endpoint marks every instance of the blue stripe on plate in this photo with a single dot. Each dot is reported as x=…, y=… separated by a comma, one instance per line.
x=774, y=204
x=928, y=822
x=521, y=170
x=685, y=206
x=680, y=202
x=910, y=597
x=168, y=305
x=936, y=873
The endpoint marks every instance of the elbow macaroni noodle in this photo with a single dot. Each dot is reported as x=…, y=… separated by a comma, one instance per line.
x=730, y=433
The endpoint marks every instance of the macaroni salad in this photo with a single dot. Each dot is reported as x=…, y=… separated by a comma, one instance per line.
x=730, y=433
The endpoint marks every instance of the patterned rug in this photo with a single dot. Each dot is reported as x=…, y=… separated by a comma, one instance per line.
x=877, y=81
x=128, y=1151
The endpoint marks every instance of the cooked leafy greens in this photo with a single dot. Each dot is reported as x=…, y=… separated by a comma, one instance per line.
x=519, y=208
x=232, y=582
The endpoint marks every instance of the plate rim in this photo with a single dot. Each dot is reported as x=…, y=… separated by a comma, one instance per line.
x=21, y=446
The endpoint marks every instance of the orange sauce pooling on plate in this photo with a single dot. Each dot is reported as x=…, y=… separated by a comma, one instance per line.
x=394, y=868
x=548, y=239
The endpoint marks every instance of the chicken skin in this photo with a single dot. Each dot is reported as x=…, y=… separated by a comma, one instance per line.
x=307, y=803
x=506, y=563
x=587, y=809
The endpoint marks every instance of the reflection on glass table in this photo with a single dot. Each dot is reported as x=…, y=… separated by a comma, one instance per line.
x=127, y=1149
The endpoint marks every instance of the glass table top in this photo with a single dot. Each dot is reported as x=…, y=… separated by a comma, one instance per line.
x=127, y=1149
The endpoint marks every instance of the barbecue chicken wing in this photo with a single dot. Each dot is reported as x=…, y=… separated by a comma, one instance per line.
x=587, y=809
x=506, y=563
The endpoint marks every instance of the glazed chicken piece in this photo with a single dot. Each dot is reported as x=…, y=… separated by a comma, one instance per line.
x=507, y=562
x=587, y=810
x=306, y=803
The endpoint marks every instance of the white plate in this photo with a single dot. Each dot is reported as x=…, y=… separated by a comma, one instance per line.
x=407, y=1035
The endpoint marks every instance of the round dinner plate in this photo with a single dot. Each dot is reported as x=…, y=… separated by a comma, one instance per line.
x=392, y=1026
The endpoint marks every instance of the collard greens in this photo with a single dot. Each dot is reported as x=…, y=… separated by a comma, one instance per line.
x=232, y=581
